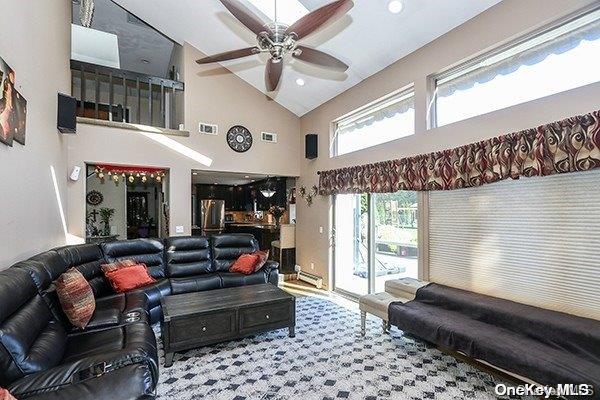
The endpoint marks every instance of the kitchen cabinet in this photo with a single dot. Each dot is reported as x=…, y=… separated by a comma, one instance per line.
x=241, y=198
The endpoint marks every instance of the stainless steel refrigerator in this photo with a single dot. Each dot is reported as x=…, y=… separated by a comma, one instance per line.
x=212, y=217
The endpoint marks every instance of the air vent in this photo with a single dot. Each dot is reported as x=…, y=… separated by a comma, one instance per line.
x=208, y=129
x=269, y=137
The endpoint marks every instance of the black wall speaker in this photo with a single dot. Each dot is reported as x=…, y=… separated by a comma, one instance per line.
x=67, y=114
x=312, y=146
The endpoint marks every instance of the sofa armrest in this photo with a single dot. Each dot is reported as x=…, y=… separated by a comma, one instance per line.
x=271, y=265
x=271, y=269
x=134, y=381
x=66, y=378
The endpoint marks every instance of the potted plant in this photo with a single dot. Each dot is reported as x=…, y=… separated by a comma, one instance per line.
x=106, y=215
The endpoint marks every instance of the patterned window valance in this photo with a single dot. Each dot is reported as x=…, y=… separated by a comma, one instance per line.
x=570, y=145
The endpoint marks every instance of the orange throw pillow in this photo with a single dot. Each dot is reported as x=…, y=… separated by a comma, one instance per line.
x=117, y=265
x=245, y=264
x=263, y=256
x=76, y=297
x=128, y=278
x=5, y=395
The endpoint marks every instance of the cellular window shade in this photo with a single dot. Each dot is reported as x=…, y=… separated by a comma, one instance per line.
x=535, y=241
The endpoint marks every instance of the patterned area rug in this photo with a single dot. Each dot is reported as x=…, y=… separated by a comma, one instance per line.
x=328, y=359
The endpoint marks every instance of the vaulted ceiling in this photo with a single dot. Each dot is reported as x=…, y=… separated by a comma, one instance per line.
x=369, y=39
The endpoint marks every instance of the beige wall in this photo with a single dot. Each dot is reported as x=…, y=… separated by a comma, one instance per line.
x=502, y=22
x=35, y=42
x=211, y=95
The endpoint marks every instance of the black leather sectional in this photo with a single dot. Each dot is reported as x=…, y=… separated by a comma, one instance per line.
x=43, y=357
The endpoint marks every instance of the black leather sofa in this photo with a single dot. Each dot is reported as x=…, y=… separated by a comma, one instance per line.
x=548, y=347
x=43, y=357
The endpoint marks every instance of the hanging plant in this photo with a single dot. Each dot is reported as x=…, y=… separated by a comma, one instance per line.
x=308, y=195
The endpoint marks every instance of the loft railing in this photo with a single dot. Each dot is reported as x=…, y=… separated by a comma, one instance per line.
x=111, y=94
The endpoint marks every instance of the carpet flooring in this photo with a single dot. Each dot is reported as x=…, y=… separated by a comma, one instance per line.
x=328, y=359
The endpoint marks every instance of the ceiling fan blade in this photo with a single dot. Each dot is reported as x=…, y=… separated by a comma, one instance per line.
x=229, y=55
x=245, y=16
x=273, y=74
x=313, y=21
x=313, y=56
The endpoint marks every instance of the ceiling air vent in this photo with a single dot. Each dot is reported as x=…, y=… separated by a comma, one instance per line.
x=269, y=137
x=208, y=129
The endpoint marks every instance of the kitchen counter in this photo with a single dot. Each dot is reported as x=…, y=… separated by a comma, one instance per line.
x=266, y=227
x=264, y=233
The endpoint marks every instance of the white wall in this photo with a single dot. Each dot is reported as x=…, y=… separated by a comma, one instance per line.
x=502, y=22
x=211, y=95
x=35, y=42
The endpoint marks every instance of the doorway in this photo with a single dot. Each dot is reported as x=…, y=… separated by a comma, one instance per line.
x=375, y=240
x=126, y=202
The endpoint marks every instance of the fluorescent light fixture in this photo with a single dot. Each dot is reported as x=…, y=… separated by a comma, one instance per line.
x=395, y=6
x=288, y=11
x=94, y=47
x=300, y=82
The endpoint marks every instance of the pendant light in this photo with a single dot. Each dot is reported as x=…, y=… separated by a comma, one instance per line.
x=268, y=189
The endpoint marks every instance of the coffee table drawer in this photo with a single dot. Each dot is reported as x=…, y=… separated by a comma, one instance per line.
x=203, y=327
x=253, y=317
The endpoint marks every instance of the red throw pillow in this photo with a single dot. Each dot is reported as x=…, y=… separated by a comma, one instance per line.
x=117, y=265
x=76, y=297
x=245, y=264
x=5, y=395
x=128, y=278
x=263, y=256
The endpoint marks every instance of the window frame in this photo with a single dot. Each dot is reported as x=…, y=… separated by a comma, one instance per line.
x=469, y=64
x=363, y=111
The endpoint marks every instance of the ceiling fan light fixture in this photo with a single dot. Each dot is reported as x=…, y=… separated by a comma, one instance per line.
x=395, y=6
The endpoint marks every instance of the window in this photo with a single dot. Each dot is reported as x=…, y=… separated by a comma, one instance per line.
x=546, y=62
x=376, y=239
x=390, y=118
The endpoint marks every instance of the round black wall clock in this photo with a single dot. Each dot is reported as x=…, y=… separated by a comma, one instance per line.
x=94, y=198
x=239, y=138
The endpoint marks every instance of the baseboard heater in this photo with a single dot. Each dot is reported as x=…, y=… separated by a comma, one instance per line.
x=310, y=278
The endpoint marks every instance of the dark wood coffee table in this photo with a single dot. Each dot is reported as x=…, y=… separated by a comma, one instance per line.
x=193, y=320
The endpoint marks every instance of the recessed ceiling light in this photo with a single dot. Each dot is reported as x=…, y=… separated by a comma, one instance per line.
x=216, y=183
x=395, y=6
x=194, y=173
x=300, y=82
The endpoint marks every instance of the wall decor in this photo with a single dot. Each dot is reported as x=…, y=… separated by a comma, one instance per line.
x=308, y=195
x=239, y=138
x=129, y=173
x=94, y=198
x=13, y=108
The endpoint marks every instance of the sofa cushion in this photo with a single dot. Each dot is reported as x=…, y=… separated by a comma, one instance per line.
x=227, y=248
x=76, y=297
x=87, y=258
x=196, y=283
x=231, y=279
x=146, y=251
x=31, y=339
x=186, y=256
x=44, y=268
x=117, y=265
x=126, y=279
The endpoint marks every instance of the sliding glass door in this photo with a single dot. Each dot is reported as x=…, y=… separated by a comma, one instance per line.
x=375, y=239
x=351, y=257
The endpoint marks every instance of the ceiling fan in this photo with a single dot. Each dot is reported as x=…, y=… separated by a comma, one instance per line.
x=279, y=39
